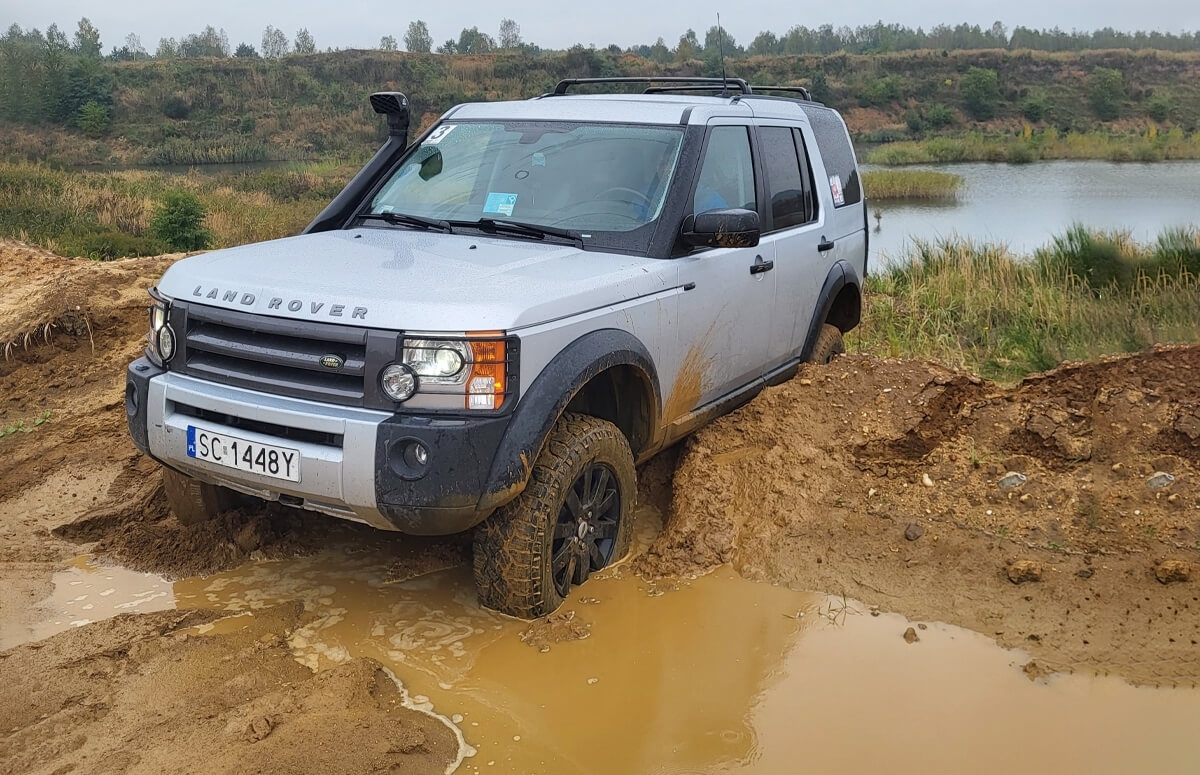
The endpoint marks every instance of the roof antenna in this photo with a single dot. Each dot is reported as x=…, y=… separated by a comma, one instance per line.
x=721, y=47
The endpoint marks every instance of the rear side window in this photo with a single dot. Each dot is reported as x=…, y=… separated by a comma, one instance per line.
x=835, y=148
x=787, y=181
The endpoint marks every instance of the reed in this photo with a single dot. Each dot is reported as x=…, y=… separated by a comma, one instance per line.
x=1086, y=294
x=881, y=185
x=1046, y=145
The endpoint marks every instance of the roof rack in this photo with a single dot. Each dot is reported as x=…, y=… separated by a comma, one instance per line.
x=683, y=83
x=703, y=83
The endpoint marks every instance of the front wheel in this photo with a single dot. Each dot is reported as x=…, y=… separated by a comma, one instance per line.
x=574, y=517
x=193, y=501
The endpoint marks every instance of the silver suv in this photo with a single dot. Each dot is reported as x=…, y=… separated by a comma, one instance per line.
x=491, y=327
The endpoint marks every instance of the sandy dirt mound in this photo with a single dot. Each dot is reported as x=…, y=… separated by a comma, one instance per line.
x=1061, y=516
x=138, y=694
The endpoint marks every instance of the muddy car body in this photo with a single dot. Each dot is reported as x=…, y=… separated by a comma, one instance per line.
x=491, y=326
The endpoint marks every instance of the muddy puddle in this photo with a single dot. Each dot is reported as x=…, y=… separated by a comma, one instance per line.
x=713, y=675
x=85, y=593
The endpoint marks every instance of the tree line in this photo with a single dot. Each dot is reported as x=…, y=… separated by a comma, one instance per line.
x=66, y=80
x=798, y=40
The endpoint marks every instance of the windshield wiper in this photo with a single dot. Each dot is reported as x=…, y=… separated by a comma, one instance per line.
x=521, y=229
x=404, y=219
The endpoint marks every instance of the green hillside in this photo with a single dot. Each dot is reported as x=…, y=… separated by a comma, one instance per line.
x=308, y=107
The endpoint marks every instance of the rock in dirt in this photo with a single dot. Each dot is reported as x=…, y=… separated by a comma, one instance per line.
x=910, y=636
x=913, y=531
x=1159, y=480
x=1021, y=571
x=1171, y=571
x=1011, y=481
x=1035, y=670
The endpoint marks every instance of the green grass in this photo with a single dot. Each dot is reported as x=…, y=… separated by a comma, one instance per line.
x=911, y=184
x=1004, y=316
x=107, y=214
x=1049, y=144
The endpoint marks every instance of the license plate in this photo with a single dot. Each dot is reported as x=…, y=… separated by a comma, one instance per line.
x=249, y=456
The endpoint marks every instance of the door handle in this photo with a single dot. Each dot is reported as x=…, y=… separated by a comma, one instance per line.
x=824, y=244
x=759, y=266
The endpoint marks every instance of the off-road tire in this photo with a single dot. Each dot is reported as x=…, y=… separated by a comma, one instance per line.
x=829, y=343
x=512, y=548
x=193, y=501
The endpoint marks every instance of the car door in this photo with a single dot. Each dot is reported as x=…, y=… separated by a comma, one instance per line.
x=791, y=238
x=724, y=318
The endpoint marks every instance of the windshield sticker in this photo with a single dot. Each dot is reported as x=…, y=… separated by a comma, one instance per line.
x=439, y=134
x=500, y=203
x=539, y=160
x=835, y=188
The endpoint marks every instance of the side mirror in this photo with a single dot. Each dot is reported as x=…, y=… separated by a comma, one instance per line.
x=732, y=228
x=394, y=105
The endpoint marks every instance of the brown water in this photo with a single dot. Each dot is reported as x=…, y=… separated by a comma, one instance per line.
x=84, y=593
x=715, y=675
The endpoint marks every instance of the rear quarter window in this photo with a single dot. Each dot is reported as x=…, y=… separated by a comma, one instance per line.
x=834, y=144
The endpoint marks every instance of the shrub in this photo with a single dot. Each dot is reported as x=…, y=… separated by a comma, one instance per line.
x=178, y=222
x=940, y=116
x=1034, y=109
x=93, y=119
x=1106, y=88
x=176, y=107
x=1159, y=108
x=981, y=92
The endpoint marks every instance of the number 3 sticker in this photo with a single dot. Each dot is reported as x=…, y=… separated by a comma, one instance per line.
x=439, y=134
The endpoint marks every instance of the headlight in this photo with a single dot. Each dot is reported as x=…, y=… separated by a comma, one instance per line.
x=398, y=381
x=474, y=368
x=162, y=338
x=166, y=342
x=436, y=361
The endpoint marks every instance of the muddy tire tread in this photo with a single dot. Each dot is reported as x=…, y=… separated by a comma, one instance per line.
x=511, y=557
x=828, y=344
x=193, y=501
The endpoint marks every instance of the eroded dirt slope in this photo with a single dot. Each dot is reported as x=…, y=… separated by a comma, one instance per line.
x=927, y=491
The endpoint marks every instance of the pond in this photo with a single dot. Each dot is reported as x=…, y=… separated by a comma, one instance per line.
x=1025, y=206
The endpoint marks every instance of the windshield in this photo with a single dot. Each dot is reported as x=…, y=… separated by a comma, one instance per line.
x=587, y=178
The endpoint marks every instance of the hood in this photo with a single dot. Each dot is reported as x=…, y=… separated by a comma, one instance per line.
x=412, y=280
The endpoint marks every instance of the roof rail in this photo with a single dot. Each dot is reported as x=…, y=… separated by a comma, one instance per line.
x=683, y=83
x=804, y=93
x=737, y=84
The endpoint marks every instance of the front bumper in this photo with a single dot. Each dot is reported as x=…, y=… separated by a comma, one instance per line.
x=352, y=460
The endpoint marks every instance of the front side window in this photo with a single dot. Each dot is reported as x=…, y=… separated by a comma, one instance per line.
x=594, y=179
x=727, y=174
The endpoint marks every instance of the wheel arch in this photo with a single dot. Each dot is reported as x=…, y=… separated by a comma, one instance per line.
x=608, y=374
x=839, y=304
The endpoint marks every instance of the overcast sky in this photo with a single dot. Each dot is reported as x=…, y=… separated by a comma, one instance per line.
x=561, y=23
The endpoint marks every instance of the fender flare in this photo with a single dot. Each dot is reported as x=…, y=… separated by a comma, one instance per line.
x=553, y=389
x=841, y=274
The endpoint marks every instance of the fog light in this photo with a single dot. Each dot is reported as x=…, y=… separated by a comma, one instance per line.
x=166, y=343
x=408, y=458
x=398, y=381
